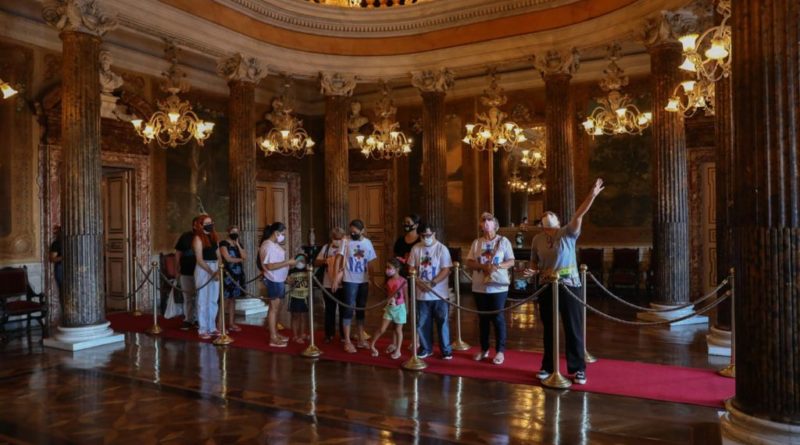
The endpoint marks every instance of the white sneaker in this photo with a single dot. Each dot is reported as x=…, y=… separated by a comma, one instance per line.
x=580, y=378
x=542, y=375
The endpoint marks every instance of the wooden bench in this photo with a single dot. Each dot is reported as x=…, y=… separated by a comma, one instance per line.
x=20, y=302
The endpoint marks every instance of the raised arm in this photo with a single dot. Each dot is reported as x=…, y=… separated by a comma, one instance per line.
x=574, y=225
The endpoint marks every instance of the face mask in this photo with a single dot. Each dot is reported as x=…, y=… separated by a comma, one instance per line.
x=488, y=226
x=428, y=241
x=355, y=236
x=281, y=237
x=408, y=227
x=208, y=228
x=234, y=236
x=390, y=272
x=550, y=221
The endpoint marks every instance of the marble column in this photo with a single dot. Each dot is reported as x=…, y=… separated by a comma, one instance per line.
x=766, y=223
x=83, y=323
x=433, y=85
x=556, y=69
x=337, y=89
x=243, y=74
x=670, y=175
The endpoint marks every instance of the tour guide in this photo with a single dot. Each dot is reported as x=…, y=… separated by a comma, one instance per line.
x=553, y=256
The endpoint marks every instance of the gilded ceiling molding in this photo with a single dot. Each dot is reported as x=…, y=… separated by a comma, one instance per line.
x=557, y=62
x=241, y=68
x=433, y=81
x=666, y=27
x=337, y=84
x=83, y=16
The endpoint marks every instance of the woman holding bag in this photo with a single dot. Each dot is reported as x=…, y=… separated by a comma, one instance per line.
x=490, y=257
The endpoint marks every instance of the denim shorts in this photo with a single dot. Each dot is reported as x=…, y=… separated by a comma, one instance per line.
x=274, y=290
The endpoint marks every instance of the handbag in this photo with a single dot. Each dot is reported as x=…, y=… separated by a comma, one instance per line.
x=499, y=277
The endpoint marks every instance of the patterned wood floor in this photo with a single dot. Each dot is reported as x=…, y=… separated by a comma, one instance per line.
x=162, y=391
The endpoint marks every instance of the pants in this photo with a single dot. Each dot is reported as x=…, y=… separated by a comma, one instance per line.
x=355, y=294
x=428, y=313
x=186, y=283
x=207, y=299
x=330, y=313
x=492, y=302
x=572, y=316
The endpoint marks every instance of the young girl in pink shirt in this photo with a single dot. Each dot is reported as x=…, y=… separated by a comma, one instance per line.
x=395, y=310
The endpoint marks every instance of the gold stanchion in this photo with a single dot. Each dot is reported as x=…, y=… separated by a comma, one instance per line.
x=588, y=358
x=730, y=370
x=312, y=350
x=414, y=363
x=224, y=338
x=136, y=311
x=155, y=329
x=459, y=344
x=556, y=380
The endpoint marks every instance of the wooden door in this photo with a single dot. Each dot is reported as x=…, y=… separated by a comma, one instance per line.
x=272, y=204
x=117, y=205
x=367, y=201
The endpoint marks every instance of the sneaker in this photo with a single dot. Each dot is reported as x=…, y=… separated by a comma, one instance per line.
x=423, y=354
x=447, y=356
x=186, y=326
x=542, y=374
x=580, y=378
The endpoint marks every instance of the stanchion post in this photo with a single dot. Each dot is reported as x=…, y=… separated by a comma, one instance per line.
x=312, y=350
x=155, y=329
x=556, y=380
x=730, y=370
x=414, y=363
x=459, y=345
x=588, y=358
x=136, y=311
x=224, y=338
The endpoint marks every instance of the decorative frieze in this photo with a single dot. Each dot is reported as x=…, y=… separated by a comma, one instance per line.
x=430, y=81
x=241, y=68
x=337, y=84
x=83, y=16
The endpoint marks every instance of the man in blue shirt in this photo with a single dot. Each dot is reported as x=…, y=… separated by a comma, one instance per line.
x=553, y=257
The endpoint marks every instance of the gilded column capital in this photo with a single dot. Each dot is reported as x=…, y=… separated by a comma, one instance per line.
x=433, y=81
x=337, y=84
x=666, y=27
x=555, y=62
x=241, y=68
x=83, y=16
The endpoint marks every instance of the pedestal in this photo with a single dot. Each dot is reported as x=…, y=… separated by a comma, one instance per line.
x=738, y=428
x=83, y=337
x=719, y=342
x=671, y=315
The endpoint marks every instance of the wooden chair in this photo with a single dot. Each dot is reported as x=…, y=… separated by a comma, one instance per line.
x=17, y=299
x=593, y=259
x=625, y=269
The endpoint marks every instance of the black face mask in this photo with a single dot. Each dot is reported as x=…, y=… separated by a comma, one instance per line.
x=408, y=227
x=234, y=236
x=208, y=227
x=355, y=236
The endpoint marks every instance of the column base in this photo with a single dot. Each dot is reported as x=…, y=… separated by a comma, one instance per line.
x=250, y=306
x=719, y=342
x=738, y=428
x=83, y=337
x=671, y=315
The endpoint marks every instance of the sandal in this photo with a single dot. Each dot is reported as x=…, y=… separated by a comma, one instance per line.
x=480, y=356
x=499, y=358
x=391, y=348
x=277, y=345
x=348, y=347
x=205, y=336
x=363, y=345
x=396, y=355
x=235, y=328
x=374, y=352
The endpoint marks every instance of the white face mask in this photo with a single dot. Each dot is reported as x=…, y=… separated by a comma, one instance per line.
x=281, y=237
x=428, y=241
x=550, y=221
x=488, y=226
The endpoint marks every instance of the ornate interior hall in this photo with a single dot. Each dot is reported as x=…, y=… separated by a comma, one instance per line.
x=400, y=221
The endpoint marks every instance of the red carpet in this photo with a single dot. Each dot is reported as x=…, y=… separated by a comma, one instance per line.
x=606, y=376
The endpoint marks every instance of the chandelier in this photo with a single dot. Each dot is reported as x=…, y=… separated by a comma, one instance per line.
x=535, y=185
x=517, y=184
x=387, y=141
x=287, y=136
x=690, y=96
x=617, y=114
x=7, y=89
x=492, y=131
x=174, y=123
x=717, y=40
